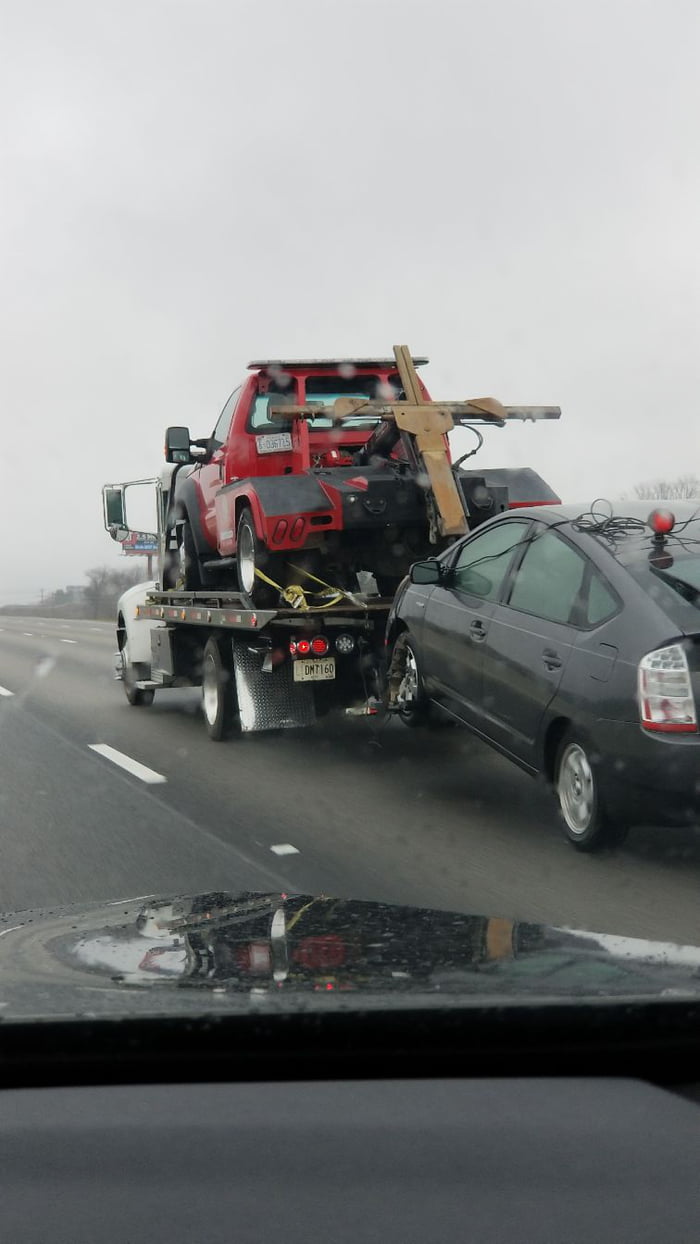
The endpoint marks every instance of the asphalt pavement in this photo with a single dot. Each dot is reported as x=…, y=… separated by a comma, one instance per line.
x=102, y=801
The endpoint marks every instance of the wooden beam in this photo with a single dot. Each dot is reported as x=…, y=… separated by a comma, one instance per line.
x=408, y=374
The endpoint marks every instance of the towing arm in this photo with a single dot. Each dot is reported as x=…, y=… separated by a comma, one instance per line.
x=422, y=426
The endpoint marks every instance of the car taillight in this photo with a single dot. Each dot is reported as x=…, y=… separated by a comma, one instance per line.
x=319, y=645
x=303, y=647
x=665, y=691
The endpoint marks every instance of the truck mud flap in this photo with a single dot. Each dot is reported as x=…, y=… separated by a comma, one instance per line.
x=269, y=701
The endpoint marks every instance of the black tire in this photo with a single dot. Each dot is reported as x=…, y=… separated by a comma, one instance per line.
x=218, y=688
x=182, y=571
x=136, y=696
x=585, y=819
x=190, y=575
x=413, y=705
x=251, y=555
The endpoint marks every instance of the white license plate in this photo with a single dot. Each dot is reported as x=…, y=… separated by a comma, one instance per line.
x=275, y=443
x=314, y=671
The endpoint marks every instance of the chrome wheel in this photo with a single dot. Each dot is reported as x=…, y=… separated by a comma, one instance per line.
x=576, y=789
x=136, y=696
x=182, y=565
x=218, y=695
x=408, y=699
x=210, y=689
x=408, y=692
x=246, y=558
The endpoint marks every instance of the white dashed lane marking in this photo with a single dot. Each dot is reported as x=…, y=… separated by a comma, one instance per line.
x=134, y=767
x=284, y=848
x=4, y=691
x=67, y=641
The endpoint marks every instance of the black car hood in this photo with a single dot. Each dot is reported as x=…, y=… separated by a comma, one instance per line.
x=252, y=951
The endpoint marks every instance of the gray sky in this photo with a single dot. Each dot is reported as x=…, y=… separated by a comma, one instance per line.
x=513, y=188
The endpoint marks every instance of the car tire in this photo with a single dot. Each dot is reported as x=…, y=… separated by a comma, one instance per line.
x=586, y=821
x=218, y=688
x=410, y=698
x=251, y=556
x=137, y=697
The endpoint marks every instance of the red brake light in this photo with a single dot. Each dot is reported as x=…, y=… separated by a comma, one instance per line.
x=319, y=646
x=303, y=647
x=661, y=522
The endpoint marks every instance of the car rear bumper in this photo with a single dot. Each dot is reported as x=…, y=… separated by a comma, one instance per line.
x=648, y=777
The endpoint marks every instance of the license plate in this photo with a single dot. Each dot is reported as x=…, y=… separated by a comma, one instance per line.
x=314, y=671
x=275, y=443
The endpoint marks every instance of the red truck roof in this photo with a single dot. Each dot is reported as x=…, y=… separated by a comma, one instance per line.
x=331, y=364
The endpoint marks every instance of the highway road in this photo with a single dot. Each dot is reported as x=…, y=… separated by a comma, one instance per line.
x=344, y=808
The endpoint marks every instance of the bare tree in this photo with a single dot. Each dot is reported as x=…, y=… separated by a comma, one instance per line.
x=684, y=486
x=105, y=586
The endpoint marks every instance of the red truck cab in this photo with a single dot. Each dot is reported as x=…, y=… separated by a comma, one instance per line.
x=287, y=487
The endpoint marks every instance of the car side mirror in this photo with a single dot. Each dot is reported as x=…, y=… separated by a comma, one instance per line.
x=426, y=572
x=177, y=445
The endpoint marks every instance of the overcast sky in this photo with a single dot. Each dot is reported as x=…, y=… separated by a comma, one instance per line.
x=512, y=188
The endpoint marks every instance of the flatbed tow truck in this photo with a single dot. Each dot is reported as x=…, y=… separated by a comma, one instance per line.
x=322, y=646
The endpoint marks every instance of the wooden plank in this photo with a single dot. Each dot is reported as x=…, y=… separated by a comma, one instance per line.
x=408, y=374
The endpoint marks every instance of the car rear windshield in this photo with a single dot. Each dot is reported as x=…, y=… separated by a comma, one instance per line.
x=672, y=579
x=323, y=390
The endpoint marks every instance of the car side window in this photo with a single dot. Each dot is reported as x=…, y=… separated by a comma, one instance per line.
x=483, y=562
x=601, y=602
x=549, y=579
x=223, y=424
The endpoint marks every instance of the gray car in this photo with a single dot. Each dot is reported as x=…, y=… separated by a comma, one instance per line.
x=570, y=642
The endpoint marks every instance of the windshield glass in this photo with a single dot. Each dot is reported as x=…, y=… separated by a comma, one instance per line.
x=323, y=391
x=266, y=683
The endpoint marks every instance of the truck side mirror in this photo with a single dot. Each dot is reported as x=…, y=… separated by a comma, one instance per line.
x=177, y=445
x=114, y=512
x=426, y=572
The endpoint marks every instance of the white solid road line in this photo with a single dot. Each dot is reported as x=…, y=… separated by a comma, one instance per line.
x=284, y=848
x=125, y=762
x=67, y=641
x=4, y=691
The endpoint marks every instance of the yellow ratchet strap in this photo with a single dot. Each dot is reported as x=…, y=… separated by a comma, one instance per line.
x=338, y=590
x=297, y=597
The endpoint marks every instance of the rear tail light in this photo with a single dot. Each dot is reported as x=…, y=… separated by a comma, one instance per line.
x=302, y=647
x=666, y=701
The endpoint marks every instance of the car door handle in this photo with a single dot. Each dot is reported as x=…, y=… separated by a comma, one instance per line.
x=477, y=632
x=552, y=660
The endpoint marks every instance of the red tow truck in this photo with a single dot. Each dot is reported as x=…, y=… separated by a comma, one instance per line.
x=331, y=468
x=283, y=535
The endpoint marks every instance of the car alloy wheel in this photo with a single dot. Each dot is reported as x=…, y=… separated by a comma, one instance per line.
x=586, y=822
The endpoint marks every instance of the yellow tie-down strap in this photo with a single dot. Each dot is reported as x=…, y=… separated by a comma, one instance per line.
x=297, y=597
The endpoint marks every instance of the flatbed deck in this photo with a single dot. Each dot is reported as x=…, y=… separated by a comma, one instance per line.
x=234, y=610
